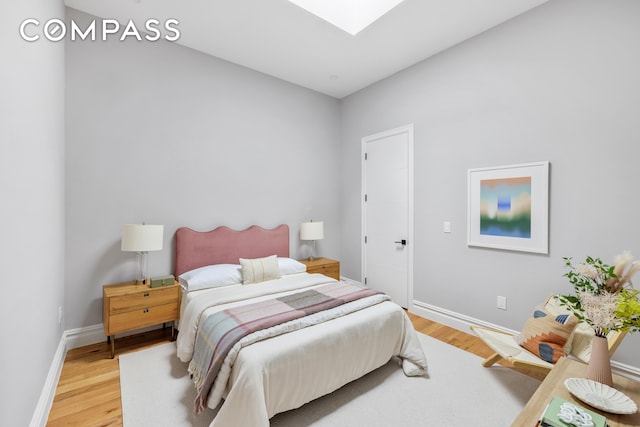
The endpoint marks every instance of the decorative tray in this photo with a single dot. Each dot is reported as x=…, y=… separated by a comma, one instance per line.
x=601, y=396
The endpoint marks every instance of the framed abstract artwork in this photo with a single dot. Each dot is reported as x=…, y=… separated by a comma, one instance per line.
x=508, y=207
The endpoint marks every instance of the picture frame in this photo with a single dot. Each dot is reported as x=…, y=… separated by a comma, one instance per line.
x=508, y=207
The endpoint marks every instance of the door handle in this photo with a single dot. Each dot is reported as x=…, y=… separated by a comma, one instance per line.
x=403, y=242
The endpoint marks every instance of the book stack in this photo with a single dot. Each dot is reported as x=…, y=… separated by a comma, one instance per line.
x=562, y=413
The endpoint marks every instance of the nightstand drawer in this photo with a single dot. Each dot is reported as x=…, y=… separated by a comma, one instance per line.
x=326, y=266
x=141, y=317
x=331, y=270
x=144, y=298
x=128, y=306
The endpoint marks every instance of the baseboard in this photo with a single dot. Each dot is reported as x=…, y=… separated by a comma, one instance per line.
x=72, y=338
x=41, y=413
x=625, y=370
x=463, y=323
x=80, y=337
x=350, y=281
x=452, y=319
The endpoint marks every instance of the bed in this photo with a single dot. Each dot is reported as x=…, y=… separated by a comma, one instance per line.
x=283, y=365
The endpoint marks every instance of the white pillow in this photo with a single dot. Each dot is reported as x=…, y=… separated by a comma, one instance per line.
x=211, y=276
x=259, y=269
x=290, y=266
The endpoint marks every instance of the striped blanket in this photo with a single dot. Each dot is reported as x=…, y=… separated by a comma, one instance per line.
x=220, y=331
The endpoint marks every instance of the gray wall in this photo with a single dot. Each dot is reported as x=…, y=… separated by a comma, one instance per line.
x=163, y=134
x=159, y=133
x=559, y=83
x=32, y=212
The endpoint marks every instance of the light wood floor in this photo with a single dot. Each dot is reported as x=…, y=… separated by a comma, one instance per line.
x=88, y=392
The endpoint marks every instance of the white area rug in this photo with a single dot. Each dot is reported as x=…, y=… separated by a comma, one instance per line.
x=156, y=391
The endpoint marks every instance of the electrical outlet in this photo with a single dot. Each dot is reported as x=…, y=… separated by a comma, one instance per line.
x=60, y=315
x=502, y=303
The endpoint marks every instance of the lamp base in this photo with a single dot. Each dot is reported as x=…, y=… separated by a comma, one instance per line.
x=143, y=278
x=313, y=250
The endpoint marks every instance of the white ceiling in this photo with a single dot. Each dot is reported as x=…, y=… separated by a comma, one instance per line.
x=279, y=38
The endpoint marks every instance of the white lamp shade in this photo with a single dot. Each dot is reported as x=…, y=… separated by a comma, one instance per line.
x=312, y=230
x=141, y=237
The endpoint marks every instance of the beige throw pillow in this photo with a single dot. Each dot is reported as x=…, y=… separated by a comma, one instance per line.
x=259, y=269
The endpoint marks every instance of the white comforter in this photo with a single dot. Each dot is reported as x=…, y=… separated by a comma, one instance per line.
x=286, y=371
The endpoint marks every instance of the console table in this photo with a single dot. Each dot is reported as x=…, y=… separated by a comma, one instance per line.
x=553, y=385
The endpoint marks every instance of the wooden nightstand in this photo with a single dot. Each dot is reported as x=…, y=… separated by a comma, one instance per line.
x=326, y=266
x=128, y=306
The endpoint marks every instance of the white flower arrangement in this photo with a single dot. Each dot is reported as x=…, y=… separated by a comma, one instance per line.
x=604, y=296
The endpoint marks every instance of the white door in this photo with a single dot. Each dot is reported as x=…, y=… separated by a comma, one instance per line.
x=387, y=219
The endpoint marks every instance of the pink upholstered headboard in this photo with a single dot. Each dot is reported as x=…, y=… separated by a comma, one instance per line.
x=225, y=246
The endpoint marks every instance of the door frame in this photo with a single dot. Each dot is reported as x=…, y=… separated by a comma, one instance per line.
x=408, y=129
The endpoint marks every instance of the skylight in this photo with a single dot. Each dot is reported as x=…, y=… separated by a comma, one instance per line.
x=351, y=16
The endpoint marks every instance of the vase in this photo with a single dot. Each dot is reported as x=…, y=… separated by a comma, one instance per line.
x=599, y=368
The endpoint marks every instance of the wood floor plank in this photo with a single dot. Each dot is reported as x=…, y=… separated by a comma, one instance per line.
x=87, y=387
x=107, y=414
x=80, y=376
x=90, y=401
x=88, y=392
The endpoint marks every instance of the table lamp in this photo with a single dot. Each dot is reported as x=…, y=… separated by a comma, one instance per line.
x=312, y=231
x=142, y=238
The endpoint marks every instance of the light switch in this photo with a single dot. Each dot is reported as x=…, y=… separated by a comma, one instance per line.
x=446, y=227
